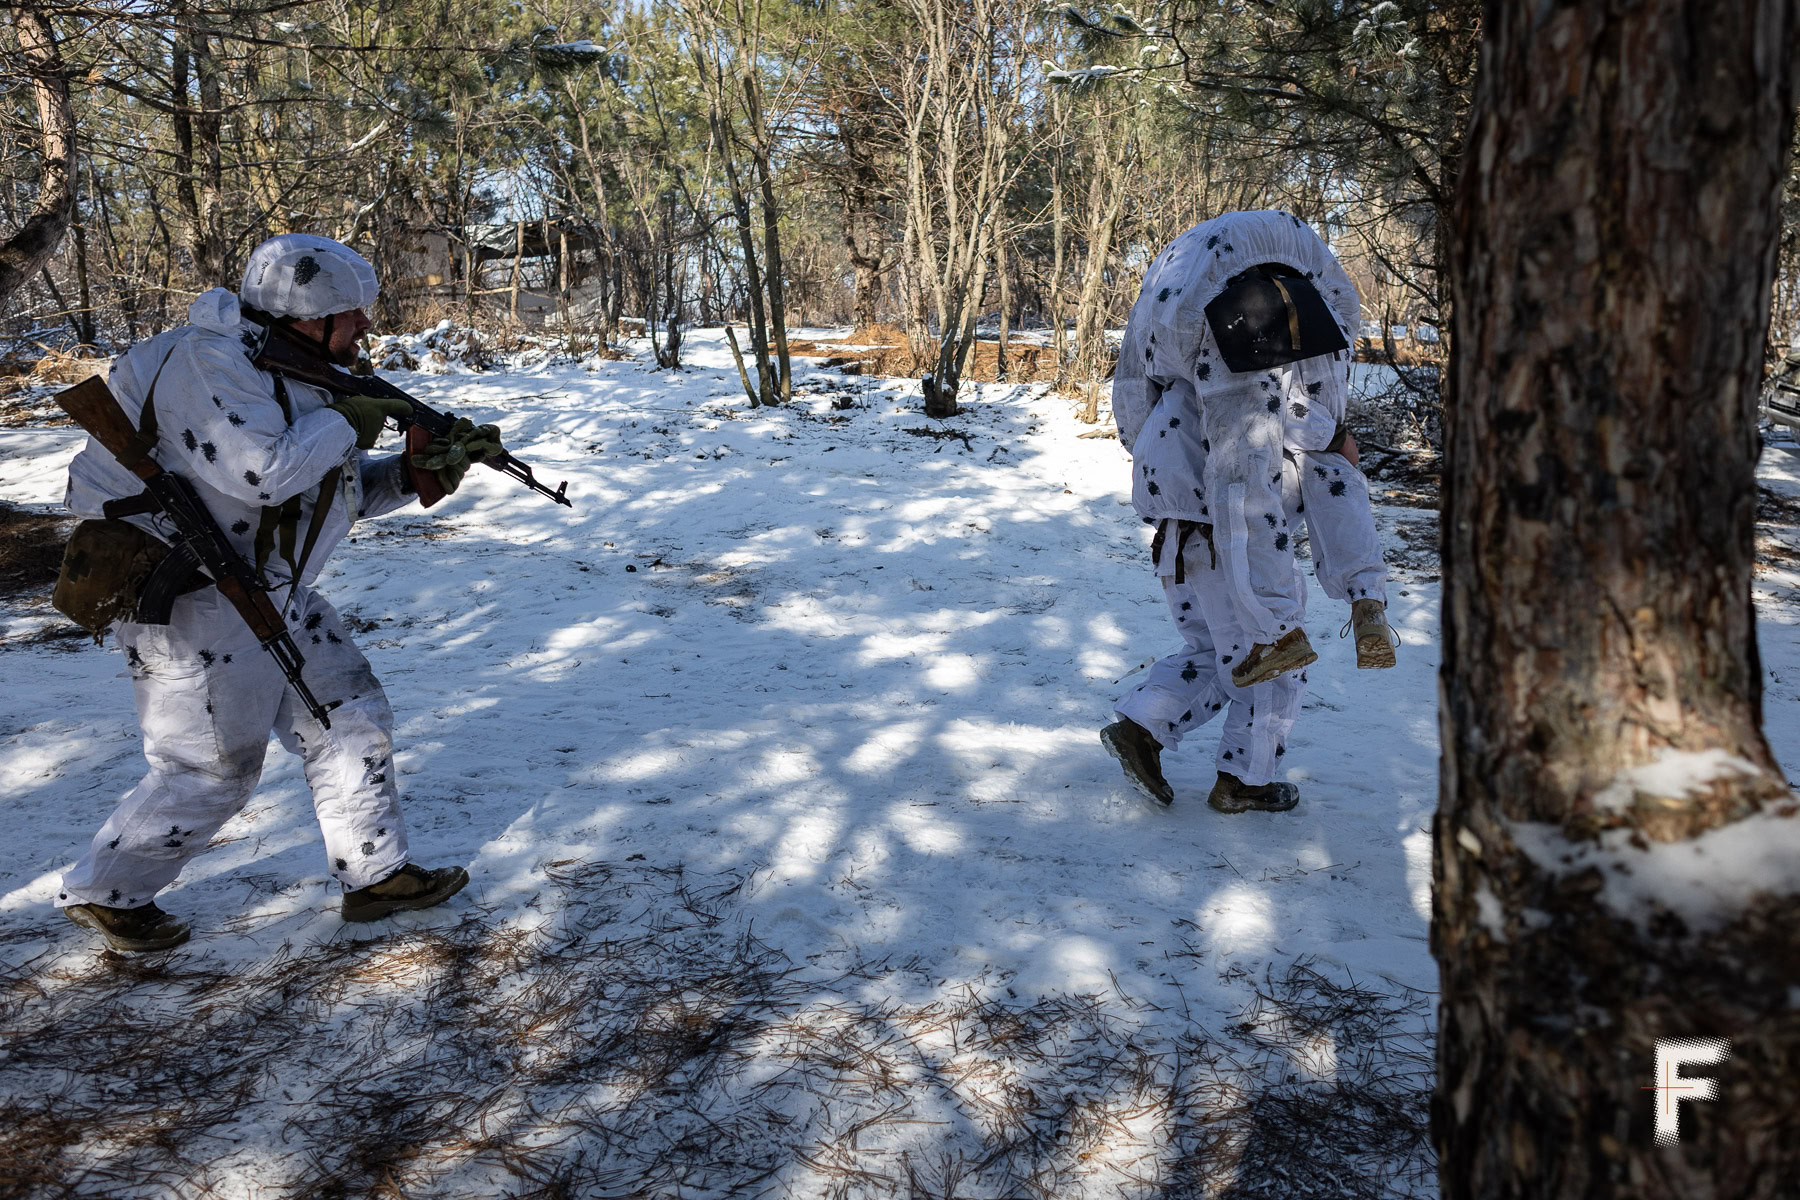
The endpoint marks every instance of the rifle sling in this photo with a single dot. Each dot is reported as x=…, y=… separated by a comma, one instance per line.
x=281, y=517
x=321, y=506
x=137, y=450
x=282, y=522
x=144, y=441
x=131, y=506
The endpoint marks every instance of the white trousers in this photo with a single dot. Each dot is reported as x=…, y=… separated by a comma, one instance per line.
x=208, y=696
x=1186, y=689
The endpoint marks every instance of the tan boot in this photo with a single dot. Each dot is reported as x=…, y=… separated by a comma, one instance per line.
x=133, y=930
x=1141, y=756
x=1375, y=638
x=1265, y=661
x=409, y=887
x=1232, y=795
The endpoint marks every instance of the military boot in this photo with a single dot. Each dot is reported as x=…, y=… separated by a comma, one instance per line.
x=1265, y=661
x=1141, y=756
x=131, y=930
x=409, y=887
x=1232, y=795
x=1375, y=638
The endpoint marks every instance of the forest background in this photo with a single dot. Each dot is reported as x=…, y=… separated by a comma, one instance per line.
x=926, y=165
x=940, y=166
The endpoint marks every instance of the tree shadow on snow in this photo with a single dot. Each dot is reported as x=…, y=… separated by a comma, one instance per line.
x=798, y=870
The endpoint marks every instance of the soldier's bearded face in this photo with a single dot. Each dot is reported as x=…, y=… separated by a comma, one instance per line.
x=347, y=329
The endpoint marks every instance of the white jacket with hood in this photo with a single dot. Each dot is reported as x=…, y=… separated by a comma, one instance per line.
x=1205, y=441
x=221, y=425
x=1169, y=363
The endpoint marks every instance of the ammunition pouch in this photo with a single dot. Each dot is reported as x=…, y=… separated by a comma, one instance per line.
x=113, y=571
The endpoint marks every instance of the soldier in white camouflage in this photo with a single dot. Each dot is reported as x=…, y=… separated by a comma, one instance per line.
x=1230, y=394
x=284, y=468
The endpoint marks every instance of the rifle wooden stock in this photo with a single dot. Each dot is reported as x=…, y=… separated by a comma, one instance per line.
x=94, y=407
x=259, y=612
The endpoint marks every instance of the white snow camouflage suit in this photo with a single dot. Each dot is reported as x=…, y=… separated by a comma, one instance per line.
x=207, y=694
x=1243, y=453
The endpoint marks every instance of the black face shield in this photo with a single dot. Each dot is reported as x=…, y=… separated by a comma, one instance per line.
x=1271, y=315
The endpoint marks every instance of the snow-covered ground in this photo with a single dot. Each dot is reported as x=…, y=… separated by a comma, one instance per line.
x=797, y=866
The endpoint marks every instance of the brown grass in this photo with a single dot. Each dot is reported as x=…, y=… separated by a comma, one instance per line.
x=27, y=385
x=62, y=369
x=31, y=549
x=884, y=350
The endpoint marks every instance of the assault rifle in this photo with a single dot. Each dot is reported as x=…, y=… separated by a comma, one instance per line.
x=199, y=542
x=279, y=354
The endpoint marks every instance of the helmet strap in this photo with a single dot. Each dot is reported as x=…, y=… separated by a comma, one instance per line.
x=284, y=326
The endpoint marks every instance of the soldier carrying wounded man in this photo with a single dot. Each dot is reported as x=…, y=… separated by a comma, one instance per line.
x=1230, y=394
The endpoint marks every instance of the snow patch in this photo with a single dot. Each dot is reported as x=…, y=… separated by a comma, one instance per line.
x=679, y=715
x=1676, y=774
x=1706, y=881
x=1489, y=912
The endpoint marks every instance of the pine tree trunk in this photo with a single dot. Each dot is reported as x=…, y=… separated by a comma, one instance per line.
x=35, y=241
x=199, y=162
x=615, y=293
x=861, y=229
x=1006, y=299
x=1615, y=245
x=740, y=208
x=1106, y=199
x=562, y=281
x=518, y=267
x=84, y=322
x=774, y=273
x=120, y=263
x=1059, y=238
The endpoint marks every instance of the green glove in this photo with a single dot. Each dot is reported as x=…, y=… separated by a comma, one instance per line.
x=450, y=456
x=366, y=415
x=483, y=441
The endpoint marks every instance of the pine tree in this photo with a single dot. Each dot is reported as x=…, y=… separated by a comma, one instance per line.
x=1616, y=851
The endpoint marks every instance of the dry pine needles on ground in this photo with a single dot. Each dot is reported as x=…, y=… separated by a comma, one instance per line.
x=639, y=1040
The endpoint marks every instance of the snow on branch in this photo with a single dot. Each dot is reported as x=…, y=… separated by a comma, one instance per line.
x=1082, y=74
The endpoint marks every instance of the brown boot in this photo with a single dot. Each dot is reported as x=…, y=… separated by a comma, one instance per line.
x=1141, y=756
x=131, y=930
x=1375, y=638
x=409, y=887
x=1232, y=795
x=1265, y=661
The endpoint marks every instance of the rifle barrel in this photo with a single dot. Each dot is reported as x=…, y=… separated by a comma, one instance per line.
x=279, y=356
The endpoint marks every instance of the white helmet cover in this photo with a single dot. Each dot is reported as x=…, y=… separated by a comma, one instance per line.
x=303, y=276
